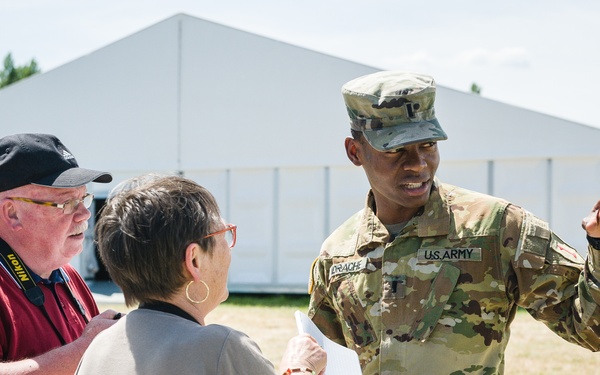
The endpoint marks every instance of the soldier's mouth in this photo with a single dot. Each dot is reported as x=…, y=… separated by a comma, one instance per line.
x=416, y=188
x=415, y=185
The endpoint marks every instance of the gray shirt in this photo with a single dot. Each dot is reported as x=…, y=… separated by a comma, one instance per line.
x=154, y=342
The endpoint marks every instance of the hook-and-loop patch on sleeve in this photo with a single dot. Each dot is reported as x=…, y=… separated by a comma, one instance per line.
x=533, y=242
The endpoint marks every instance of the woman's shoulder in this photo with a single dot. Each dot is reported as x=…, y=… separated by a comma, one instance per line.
x=187, y=331
x=239, y=353
x=225, y=332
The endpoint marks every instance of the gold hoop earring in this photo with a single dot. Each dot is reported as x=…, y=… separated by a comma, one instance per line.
x=187, y=292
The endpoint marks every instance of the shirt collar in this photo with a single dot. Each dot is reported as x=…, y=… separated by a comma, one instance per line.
x=57, y=276
x=434, y=219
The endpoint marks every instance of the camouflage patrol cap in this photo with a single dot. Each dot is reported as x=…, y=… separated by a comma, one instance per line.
x=393, y=109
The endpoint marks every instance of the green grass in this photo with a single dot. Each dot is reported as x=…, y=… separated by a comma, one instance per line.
x=268, y=300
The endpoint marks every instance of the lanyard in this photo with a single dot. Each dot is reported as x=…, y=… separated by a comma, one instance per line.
x=32, y=291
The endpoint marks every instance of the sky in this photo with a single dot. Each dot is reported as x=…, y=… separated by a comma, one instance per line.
x=542, y=55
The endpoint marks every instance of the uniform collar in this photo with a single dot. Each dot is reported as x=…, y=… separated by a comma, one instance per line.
x=433, y=220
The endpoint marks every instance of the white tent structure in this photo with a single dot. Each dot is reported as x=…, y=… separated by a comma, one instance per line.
x=261, y=124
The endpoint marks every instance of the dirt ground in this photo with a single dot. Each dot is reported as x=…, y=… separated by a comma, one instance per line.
x=533, y=349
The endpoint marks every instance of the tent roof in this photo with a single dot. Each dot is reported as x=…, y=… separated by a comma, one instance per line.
x=187, y=93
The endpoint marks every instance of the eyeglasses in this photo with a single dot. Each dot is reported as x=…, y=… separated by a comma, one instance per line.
x=68, y=207
x=230, y=234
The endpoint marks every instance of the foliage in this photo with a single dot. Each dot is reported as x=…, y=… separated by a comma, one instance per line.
x=269, y=300
x=11, y=73
x=475, y=88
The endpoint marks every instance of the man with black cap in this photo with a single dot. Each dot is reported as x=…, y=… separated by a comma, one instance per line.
x=427, y=278
x=48, y=316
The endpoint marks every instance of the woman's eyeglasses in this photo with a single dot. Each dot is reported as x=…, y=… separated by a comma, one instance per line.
x=230, y=234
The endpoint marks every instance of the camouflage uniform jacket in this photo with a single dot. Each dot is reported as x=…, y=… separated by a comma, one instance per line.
x=440, y=297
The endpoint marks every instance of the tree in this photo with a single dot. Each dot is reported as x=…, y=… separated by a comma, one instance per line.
x=11, y=73
x=475, y=88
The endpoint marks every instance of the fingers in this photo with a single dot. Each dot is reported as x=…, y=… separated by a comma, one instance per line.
x=107, y=314
x=591, y=223
x=304, y=351
x=98, y=324
x=110, y=314
x=306, y=335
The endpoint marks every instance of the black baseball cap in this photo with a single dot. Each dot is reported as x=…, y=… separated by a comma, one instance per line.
x=42, y=159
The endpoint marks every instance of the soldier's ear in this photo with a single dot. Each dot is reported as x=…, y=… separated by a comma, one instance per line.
x=353, y=150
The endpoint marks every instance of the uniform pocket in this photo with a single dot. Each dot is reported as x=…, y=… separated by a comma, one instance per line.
x=433, y=307
x=351, y=307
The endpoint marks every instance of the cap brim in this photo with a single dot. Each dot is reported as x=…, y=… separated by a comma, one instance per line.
x=394, y=137
x=74, y=177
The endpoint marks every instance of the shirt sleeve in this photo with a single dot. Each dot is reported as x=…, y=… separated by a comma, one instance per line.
x=549, y=278
x=321, y=309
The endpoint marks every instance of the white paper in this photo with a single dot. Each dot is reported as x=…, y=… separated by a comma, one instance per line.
x=340, y=360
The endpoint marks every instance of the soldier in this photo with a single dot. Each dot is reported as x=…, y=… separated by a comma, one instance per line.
x=427, y=278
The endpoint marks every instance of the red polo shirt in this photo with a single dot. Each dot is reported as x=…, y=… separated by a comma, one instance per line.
x=24, y=330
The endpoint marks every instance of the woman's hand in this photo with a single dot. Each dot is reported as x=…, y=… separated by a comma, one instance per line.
x=303, y=351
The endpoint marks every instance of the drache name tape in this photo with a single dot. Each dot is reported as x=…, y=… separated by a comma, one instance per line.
x=352, y=266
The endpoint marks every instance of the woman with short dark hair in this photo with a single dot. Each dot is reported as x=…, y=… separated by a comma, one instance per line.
x=166, y=246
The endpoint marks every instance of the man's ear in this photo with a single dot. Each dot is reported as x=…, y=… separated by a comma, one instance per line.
x=353, y=150
x=9, y=215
